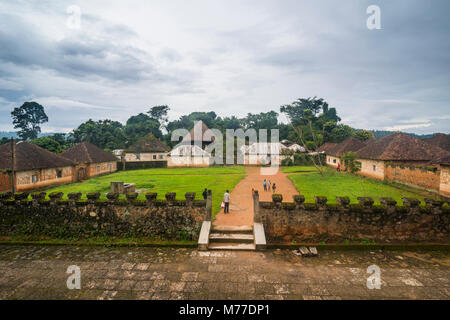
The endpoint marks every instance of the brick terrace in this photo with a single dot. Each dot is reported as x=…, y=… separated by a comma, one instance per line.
x=39, y=272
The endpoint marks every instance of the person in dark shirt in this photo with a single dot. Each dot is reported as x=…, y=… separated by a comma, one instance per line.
x=205, y=194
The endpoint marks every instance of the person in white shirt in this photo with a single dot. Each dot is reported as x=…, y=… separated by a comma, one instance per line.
x=226, y=200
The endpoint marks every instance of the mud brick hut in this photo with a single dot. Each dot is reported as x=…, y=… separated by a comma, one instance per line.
x=90, y=161
x=348, y=145
x=35, y=167
x=147, y=152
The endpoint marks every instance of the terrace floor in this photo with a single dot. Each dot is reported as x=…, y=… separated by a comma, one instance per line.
x=39, y=272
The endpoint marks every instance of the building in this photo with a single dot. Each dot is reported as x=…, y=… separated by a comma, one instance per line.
x=35, y=167
x=263, y=153
x=90, y=160
x=397, y=149
x=326, y=147
x=192, y=150
x=334, y=154
x=440, y=140
x=147, y=149
x=444, y=183
x=295, y=147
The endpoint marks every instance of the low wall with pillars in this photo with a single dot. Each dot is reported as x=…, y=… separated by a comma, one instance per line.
x=74, y=218
x=319, y=221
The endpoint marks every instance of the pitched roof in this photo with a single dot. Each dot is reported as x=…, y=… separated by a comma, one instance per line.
x=197, y=133
x=445, y=161
x=148, y=144
x=402, y=147
x=349, y=144
x=86, y=152
x=440, y=140
x=31, y=157
x=326, y=147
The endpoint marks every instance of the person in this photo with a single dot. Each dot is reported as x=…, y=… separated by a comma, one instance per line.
x=265, y=185
x=205, y=194
x=253, y=191
x=226, y=200
x=339, y=167
x=274, y=187
x=268, y=185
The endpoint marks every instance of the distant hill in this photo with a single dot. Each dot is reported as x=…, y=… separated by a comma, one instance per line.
x=381, y=134
x=13, y=134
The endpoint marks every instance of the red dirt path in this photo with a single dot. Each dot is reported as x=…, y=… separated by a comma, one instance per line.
x=241, y=204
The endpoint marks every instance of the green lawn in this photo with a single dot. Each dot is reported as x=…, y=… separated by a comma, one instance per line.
x=179, y=180
x=295, y=169
x=335, y=184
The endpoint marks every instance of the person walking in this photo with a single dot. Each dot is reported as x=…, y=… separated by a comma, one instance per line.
x=274, y=187
x=205, y=194
x=226, y=200
x=265, y=185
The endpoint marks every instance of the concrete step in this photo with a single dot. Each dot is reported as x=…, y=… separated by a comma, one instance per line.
x=232, y=246
x=231, y=237
x=232, y=229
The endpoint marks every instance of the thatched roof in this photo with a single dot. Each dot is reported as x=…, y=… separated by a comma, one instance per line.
x=440, y=140
x=86, y=152
x=349, y=144
x=31, y=157
x=197, y=133
x=148, y=144
x=326, y=147
x=402, y=147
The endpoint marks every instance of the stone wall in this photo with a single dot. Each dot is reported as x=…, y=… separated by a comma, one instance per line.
x=413, y=176
x=75, y=218
x=315, y=222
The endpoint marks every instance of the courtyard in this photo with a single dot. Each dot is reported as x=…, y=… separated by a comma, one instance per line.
x=35, y=272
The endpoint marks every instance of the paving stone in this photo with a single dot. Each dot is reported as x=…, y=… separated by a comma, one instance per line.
x=170, y=273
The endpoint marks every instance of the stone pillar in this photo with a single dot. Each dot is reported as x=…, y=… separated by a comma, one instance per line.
x=412, y=204
x=343, y=202
x=54, y=197
x=37, y=197
x=299, y=201
x=190, y=197
x=366, y=202
x=321, y=202
x=208, y=213
x=389, y=204
x=256, y=215
x=151, y=197
x=131, y=196
x=435, y=205
x=112, y=197
x=92, y=197
x=170, y=198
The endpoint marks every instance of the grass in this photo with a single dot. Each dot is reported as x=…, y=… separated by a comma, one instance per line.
x=161, y=181
x=297, y=169
x=334, y=184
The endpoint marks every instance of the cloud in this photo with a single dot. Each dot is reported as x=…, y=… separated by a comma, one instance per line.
x=233, y=57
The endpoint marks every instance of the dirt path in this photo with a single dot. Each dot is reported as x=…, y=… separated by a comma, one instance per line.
x=241, y=205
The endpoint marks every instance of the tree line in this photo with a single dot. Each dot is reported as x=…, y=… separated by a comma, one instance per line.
x=312, y=122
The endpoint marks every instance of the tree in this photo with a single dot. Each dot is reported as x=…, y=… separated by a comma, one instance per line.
x=296, y=111
x=28, y=118
x=364, y=135
x=340, y=133
x=139, y=126
x=48, y=144
x=106, y=134
x=159, y=114
x=350, y=162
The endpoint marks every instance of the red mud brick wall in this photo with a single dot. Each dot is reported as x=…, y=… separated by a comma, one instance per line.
x=415, y=177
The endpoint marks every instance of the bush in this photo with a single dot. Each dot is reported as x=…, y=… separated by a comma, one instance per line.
x=287, y=162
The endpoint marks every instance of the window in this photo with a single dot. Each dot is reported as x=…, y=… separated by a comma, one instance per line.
x=138, y=156
x=98, y=168
x=154, y=157
x=334, y=160
x=374, y=168
x=110, y=167
x=161, y=157
x=59, y=173
x=34, y=178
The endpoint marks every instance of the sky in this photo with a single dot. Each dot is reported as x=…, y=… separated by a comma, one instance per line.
x=231, y=57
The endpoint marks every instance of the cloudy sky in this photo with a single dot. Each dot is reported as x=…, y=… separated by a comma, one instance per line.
x=232, y=57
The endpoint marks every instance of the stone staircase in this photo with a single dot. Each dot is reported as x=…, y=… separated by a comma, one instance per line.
x=246, y=238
